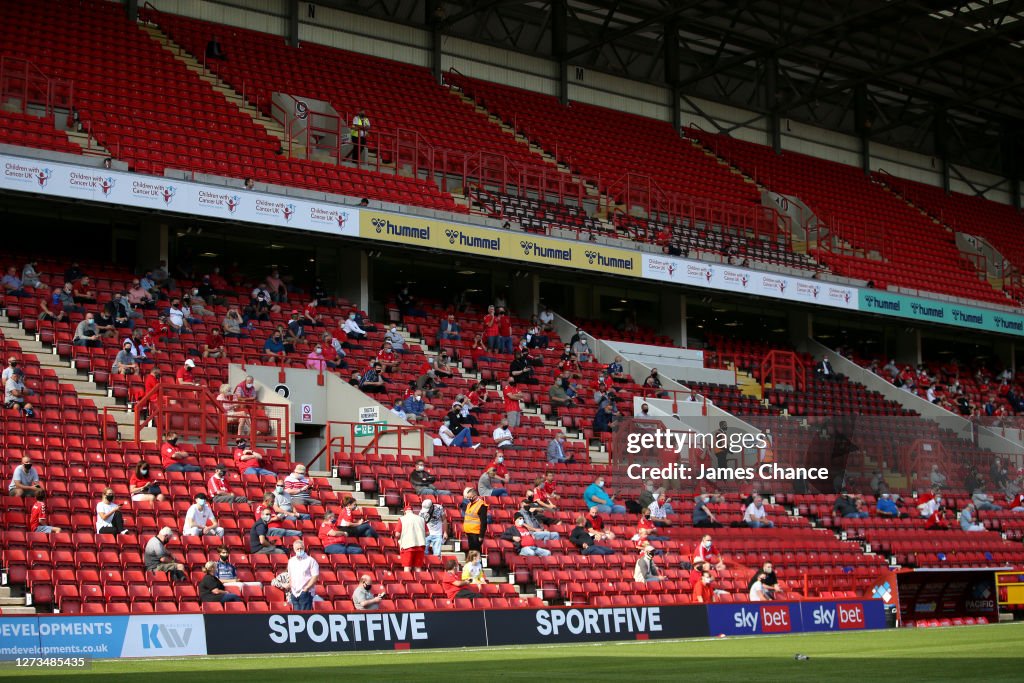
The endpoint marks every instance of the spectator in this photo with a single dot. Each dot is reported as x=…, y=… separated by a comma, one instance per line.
x=412, y=540
x=173, y=457
x=983, y=501
x=886, y=507
x=12, y=284
x=274, y=348
x=232, y=324
x=542, y=500
x=423, y=481
x=185, y=374
x=109, y=519
x=463, y=439
x=250, y=461
x=349, y=520
x=399, y=412
x=219, y=490
x=67, y=299
x=533, y=523
x=556, y=452
x=211, y=589
x=304, y=572
x=645, y=529
x=298, y=487
x=523, y=540
x=283, y=503
x=25, y=480
x=15, y=393
x=449, y=330
x=706, y=552
x=768, y=580
x=200, y=520
x=587, y=543
x=937, y=520
x=702, y=591
x=660, y=508
x=474, y=519
x=352, y=329
x=436, y=520
x=124, y=361
x=849, y=506
x=582, y=350
x=595, y=525
x=605, y=419
x=143, y=488
x=213, y=347
x=645, y=570
x=937, y=478
x=473, y=569
x=928, y=504
x=30, y=276
x=415, y=406
x=968, y=519
x=373, y=381
x=157, y=558
x=558, y=394
x=363, y=598
x=616, y=371
x=259, y=536
x=214, y=50
x=490, y=484
x=756, y=516
x=37, y=516
x=52, y=309
x=824, y=368
x=454, y=585
x=521, y=369
x=502, y=435
x=87, y=333
x=652, y=385
x=333, y=539
x=512, y=397
x=226, y=571
x=595, y=496
x=82, y=292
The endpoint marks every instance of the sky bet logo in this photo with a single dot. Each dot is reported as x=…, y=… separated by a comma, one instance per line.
x=848, y=616
x=163, y=637
x=772, y=619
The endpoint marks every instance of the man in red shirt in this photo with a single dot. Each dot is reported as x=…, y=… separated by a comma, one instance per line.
x=550, y=487
x=349, y=520
x=249, y=461
x=706, y=552
x=511, y=397
x=214, y=346
x=37, y=518
x=333, y=539
x=386, y=357
x=311, y=314
x=595, y=525
x=504, y=332
x=173, y=458
x=219, y=490
x=184, y=374
x=702, y=590
x=454, y=586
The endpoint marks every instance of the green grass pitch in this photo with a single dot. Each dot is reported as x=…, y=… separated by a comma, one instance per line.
x=980, y=653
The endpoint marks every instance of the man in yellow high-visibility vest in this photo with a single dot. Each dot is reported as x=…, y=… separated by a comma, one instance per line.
x=358, y=131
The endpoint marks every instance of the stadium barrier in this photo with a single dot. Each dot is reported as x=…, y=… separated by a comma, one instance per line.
x=175, y=635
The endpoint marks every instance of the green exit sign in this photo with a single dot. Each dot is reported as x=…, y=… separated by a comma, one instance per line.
x=368, y=429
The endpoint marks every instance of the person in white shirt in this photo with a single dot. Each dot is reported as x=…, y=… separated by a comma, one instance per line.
x=351, y=328
x=756, y=516
x=200, y=520
x=757, y=589
x=546, y=317
x=928, y=508
x=303, y=573
x=176, y=317
x=503, y=435
x=660, y=508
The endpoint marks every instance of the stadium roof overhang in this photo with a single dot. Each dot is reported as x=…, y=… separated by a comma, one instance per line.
x=943, y=78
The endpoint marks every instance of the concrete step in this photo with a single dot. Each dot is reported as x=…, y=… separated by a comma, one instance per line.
x=9, y=592
x=11, y=602
x=19, y=611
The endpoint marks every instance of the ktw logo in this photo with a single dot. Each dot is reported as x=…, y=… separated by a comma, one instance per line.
x=773, y=619
x=162, y=636
x=848, y=616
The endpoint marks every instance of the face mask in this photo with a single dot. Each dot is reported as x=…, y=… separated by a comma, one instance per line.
x=707, y=579
x=707, y=544
x=300, y=553
x=266, y=518
x=249, y=385
x=352, y=317
x=173, y=442
x=279, y=489
x=201, y=503
x=224, y=558
x=501, y=460
x=28, y=466
x=420, y=468
x=144, y=470
x=109, y=497
x=600, y=483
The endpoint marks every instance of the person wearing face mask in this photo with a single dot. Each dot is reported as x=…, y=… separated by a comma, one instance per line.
x=473, y=571
x=157, y=558
x=211, y=589
x=436, y=520
x=363, y=598
x=232, y=324
x=304, y=572
x=423, y=482
x=173, y=458
x=315, y=359
x=703, y=517
x=596, y=496
x=350, y=520
x=143, y=487
x=645, y=570
x=225, y=570
x=706, y=552
x=283, y=503
x=645, y=526
x=333, y=539
x=248, y=461
x=502, y=435
x=397, y=340
x=25, y=480
x=352, y=329
x=274, y=348
x=109, y=519
x=582, y=350
x=87, y=333
x=474, y=519
x=464, y=439
x=652, y=385
x=490, y=484
x=259, y=535
x=200, y=520
x=702, y=591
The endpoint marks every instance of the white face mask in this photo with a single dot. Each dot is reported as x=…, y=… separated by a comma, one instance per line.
x=707, y=544
x=249, y=385
x=601, y=483
x=201, y=503
x=300, y=553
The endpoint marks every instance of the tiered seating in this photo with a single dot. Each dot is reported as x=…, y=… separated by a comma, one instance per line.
x=916, y=253
x=396, y=96
x=632, y=333
x=34, y=131
x=539, y=216
x=159, y=114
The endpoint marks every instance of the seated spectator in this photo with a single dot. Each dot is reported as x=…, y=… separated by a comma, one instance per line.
x=143, y=487
x=282, y=504
x=298, y=487
x=250, y=461
x=352, y=329
x=706, y=552
x=399, y=411
x=969, y=517
x=315, y=359
x=702, y=514
x=423, y=482
x=214, y=50
x=442, y=367
x=937, y=521
x=645, y=529
x=768, y=583
x=660, y=508
x=82, y=292
x=521, y=369
x=616, y=371
x=211, y=589
x=535, y=522
x=542, y=501
x=886, y=507
x=449, y=330
x=502, y=435
x=51, y=309
x=983, y=501
x=523, y=540
x=559, y=396
x=556, y=451
x=849, y=506
x=173, y=458
x=186, y=374
x=274, y=348
x=213, y=347
x=372, y=381
x=87, y=333
x=938, y=479
x=278, y=516
x=363, y=597
x=30, y=276
x=473, y=569
x=226, y=571
x=436, y=520
x=652, y=385
x=756, y=517
x=415, y=407
x=12, y=284
x=350, y=520
x=605, y=419
x=37, y=516
x=595, y=525
x=645, y=570
x=928, y=504
x=446, y=436
x=109, y=519
x=124, y=362
x=490, y=484
x=67, y=299
x=25, y=480
x=158, y=559
x=587, y=543
x=333, y=539
x=200, y=520
x=454, y=586
x=219, y=490
x=702, y=591
x=259, y=536
x=595, y=496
